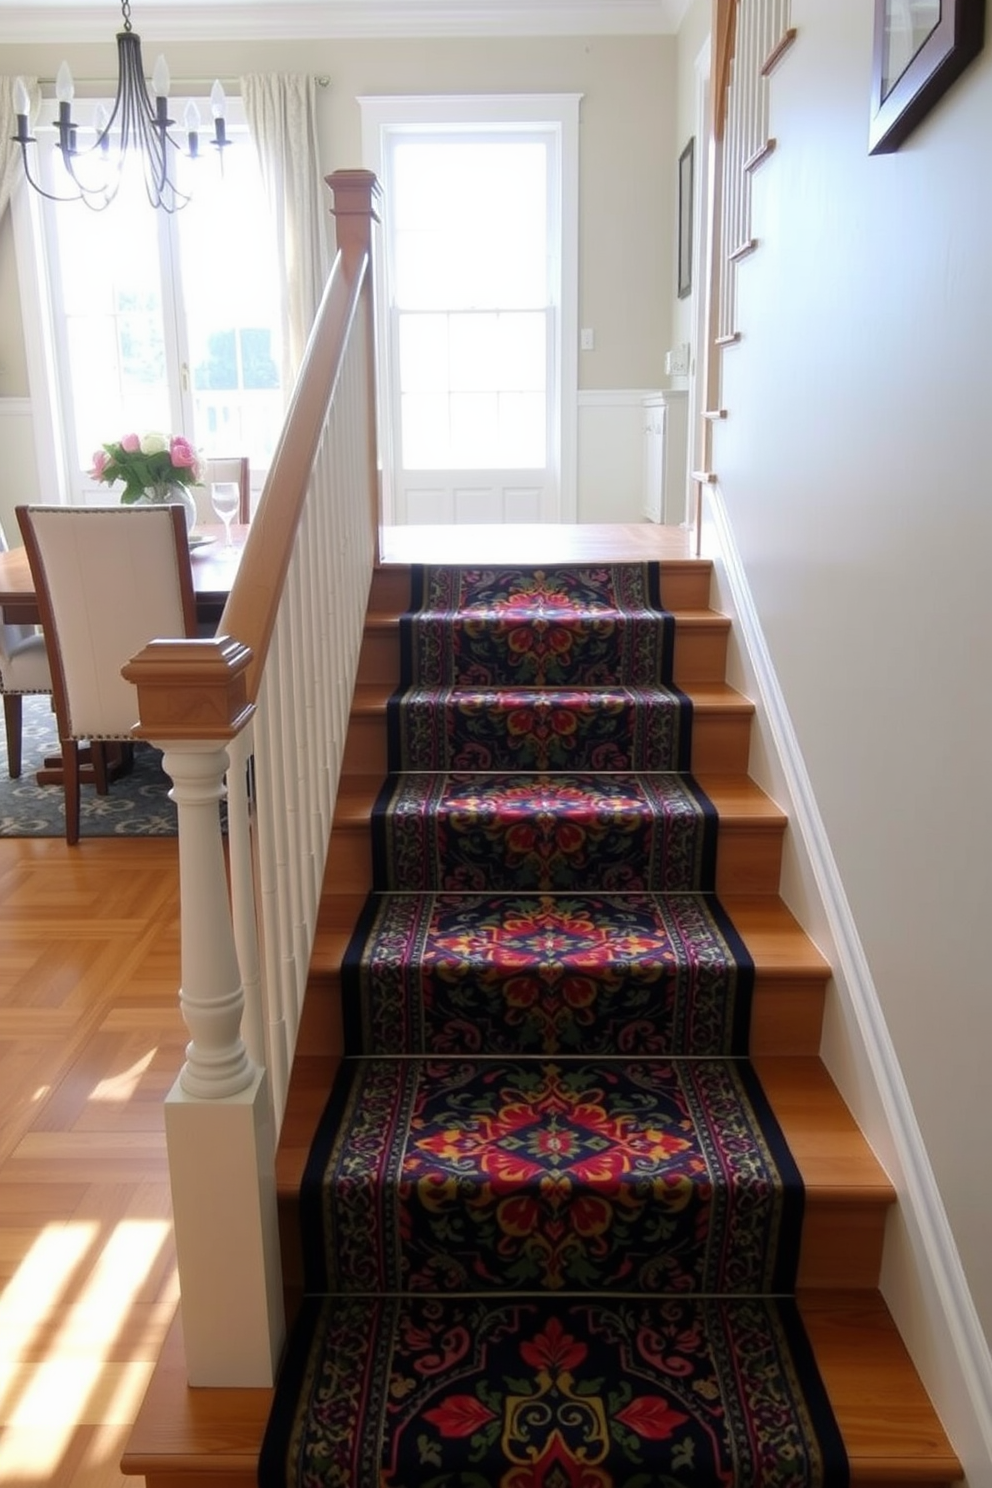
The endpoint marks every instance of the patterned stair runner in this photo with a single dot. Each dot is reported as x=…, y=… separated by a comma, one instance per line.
x=550, y=1224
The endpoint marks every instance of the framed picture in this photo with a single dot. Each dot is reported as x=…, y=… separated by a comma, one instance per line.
x=921, y=46
x=685, y=218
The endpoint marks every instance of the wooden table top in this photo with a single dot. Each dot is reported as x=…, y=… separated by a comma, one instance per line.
x=213, y=564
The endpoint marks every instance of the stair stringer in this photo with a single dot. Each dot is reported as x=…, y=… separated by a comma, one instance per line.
x=922, y=1280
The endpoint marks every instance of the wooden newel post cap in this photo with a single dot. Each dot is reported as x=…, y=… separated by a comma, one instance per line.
x=357, y=204
x=191, y=689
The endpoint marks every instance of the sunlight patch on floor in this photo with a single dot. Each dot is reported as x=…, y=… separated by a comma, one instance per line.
x=43, y=1401
x=120, y=1088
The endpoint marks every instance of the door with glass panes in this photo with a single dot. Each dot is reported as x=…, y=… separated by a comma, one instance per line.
x=471, y=338
x=168, y=322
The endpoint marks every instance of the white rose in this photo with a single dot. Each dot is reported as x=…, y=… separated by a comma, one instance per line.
x=154, y=444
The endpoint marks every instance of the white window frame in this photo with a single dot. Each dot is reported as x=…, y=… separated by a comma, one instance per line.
x=560, y=111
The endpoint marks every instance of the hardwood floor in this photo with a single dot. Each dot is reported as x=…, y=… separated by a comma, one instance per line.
x=90, y=1041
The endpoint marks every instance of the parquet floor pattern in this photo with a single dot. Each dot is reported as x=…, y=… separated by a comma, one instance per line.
x=90, y=1042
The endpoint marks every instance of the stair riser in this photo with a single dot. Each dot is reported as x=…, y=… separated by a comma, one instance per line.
x=841, y=1245
x=684, y=586
x=700, y=651
x=720, y=743
x=786, y=1015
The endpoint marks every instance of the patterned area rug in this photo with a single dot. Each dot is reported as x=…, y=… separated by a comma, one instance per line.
x=654, y=833
x=408, y=1392
x=549, y=1223
x=475, y=1176
x=136, y=805
x=519, y=728
x=580, y=974
x=550, y=627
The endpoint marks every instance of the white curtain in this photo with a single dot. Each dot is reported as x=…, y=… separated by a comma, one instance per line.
x=10, y=154
x=281, y=112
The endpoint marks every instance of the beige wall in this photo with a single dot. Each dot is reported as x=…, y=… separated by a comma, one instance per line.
x=627, y=149
x=853, y=472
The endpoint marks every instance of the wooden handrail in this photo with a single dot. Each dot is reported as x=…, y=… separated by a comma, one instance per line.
x=251, y=609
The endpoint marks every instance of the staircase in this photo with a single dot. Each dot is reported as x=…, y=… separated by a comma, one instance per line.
x=890, y=1433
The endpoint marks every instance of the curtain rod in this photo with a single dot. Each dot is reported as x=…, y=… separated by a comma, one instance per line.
x=180, y=85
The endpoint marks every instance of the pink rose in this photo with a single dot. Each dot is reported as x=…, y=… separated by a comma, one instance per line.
x=131, y=443
x=181, y=453
x=100, y=462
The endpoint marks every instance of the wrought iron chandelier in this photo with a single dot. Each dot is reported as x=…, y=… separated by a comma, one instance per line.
x=137, y=126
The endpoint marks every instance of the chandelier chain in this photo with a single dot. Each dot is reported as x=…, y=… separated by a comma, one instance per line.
x=126, y=13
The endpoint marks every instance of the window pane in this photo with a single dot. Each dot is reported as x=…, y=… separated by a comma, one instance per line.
x=111, y=295
x=474, y=431
x=475, y=352
x=470, y=223
x=424, y=431
x=523, y=439
x=521, y=352
x=423, y=353
x=129, y=276
x=230, y=297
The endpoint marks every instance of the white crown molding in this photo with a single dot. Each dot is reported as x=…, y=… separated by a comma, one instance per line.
x=248, y=20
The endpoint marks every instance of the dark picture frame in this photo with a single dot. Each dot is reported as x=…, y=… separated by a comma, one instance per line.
x=910, y=73
x=686, y=185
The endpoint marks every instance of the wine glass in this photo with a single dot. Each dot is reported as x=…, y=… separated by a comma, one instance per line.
x=225, y=498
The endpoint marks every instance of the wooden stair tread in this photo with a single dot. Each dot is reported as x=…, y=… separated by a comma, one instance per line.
x=890, y=1429
x=836, y=1162
x=847, y=1193
x=736, y=797
x=823, y=1137
x=892, y=1433
x=707, y=697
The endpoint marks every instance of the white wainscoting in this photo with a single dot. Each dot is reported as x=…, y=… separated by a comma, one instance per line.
x=612, y=454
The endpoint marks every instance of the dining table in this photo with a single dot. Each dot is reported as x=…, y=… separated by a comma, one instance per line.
x=213, y=563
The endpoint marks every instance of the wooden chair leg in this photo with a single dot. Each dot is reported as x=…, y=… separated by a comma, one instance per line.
x=98, y=759
x=70, y=781
x=12, y=725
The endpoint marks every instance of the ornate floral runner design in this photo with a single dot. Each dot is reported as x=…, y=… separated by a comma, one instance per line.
x=653, y=833
x=548, y=1209
x=632, y=1176
x=513, y=1393
x=546, y=974
x=520, y=728
x=540, y=627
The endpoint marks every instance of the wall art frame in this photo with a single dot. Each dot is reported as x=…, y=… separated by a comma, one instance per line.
x=686, y=188
x=915, y=61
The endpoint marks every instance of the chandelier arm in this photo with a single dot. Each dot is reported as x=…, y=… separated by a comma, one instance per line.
x=140, y=124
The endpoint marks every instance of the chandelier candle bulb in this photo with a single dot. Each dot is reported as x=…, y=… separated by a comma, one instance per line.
x=22, y=105
x=191, y=120
x=218, y=107
x=137, y=127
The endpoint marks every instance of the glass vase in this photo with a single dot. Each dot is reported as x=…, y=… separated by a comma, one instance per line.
x=163, y=493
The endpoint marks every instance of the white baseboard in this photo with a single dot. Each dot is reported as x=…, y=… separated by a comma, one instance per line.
x=947, y=1342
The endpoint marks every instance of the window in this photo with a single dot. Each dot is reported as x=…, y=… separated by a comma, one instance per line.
x=477, y=343
x=167, y=322
x=472, y=299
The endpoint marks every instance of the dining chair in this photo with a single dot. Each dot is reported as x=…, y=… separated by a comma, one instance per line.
x=107, y=580
x=24, y=671
x=228, y=468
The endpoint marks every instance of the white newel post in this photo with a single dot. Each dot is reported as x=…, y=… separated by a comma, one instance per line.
x=218, y=1122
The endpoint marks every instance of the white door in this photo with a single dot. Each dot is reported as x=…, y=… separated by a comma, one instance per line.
x=477, y=333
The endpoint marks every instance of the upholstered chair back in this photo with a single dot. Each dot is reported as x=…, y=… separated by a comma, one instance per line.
x=229, y=468
x=108, y=579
